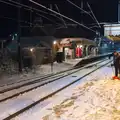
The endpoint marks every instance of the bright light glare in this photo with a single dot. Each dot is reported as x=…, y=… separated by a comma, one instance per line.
x=54, y=42
x=81, y=46
x=31, y=49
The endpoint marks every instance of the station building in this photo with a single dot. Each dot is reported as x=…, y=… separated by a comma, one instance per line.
x=77, y=47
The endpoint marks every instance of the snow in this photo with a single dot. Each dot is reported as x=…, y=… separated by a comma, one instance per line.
x=92, y=100
x=15, y=104
x=24, y=81
x=78, y=103
x=26, y=99
x=40, y=72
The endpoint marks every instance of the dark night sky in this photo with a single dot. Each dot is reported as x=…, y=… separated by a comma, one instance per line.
x=104, y=10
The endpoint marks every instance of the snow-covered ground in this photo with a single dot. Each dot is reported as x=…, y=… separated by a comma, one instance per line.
x=95, y=97
x=22, y=82
x=41, y=71
x=15, y=104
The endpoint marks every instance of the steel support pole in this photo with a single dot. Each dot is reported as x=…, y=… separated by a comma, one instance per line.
x=18, y=40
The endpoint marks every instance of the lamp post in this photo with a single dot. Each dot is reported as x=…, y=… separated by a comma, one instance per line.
x=52, y=52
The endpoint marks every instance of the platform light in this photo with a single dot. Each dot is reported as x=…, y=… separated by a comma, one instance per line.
x=55, y=42
x=16, y=34
x=31, y=49
x=81, y=46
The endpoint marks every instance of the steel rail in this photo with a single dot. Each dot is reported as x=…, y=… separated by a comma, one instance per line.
x=51, y=94
x=46, y=78
x=37, y=86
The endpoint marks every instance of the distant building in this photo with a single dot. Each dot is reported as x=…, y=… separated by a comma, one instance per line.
x=111, y=29
x=112, y=32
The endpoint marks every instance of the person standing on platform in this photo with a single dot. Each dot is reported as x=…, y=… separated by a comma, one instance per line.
x=116, y=63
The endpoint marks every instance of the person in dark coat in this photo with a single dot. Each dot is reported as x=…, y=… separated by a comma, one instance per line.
x=116, y=63
x=119, y=65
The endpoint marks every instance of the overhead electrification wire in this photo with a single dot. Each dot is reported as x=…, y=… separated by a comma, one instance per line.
x=35, y=25
x=4, y=17
x=26, y=7
x=32, y=8
x=29, y=8
x=47, y=18
x=6, y=2
x=77, y=6
x=95, y=26
x=80, y=8
x=93, y=15
x=62, y=15
x=9, y=3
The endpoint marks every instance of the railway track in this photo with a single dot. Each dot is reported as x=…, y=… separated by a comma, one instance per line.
x=31, y=80
x=10, y=116
x=52, y=78
x=22, y=89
